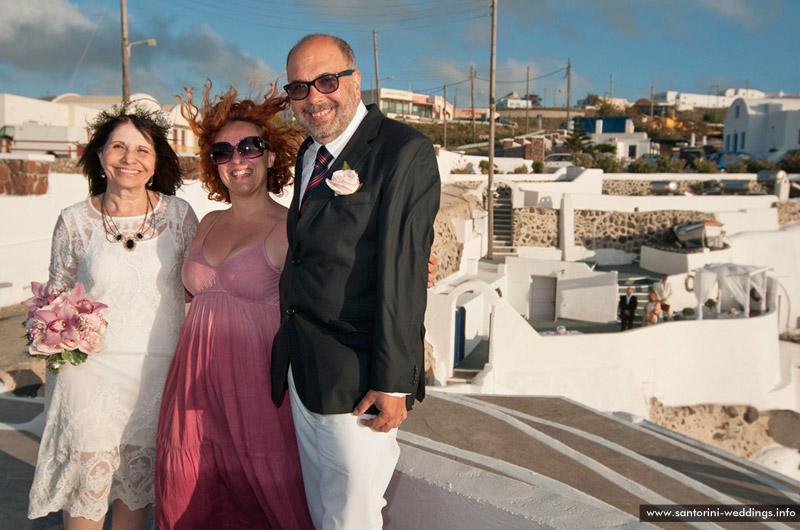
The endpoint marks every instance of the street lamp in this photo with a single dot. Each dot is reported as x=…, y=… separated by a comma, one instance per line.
x=126, y=91
x=126, y=52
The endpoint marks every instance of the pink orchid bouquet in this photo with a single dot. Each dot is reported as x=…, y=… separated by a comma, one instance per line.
x=63, y=327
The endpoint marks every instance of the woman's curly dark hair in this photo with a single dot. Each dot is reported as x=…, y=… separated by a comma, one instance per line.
x=207, y=120
x=167, y=177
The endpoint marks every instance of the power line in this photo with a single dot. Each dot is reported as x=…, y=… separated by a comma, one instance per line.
x=532, y=78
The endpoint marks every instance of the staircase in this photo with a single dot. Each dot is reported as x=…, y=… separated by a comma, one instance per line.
x=641, y=289
x=503, y=240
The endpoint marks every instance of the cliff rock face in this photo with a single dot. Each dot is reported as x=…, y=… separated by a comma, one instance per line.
x=788, y=211
x=456, y=203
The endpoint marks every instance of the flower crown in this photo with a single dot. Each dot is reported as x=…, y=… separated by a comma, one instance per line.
x=117, y=111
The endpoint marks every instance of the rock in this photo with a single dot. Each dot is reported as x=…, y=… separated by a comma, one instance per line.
x=751, y=414
x=784, y=427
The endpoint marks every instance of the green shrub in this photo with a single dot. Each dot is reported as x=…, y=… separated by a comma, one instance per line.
x=458, y=171
x=670, y=165
x=758, y=164
x=704, y=166
x=790, y=164
x=521, y=169
x=605, y=148
x=484, y=166
x=641, y=166
x=537, y=166
x=582, y=160
x=608, y=163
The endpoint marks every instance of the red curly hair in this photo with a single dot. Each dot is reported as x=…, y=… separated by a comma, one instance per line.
x=215, y=113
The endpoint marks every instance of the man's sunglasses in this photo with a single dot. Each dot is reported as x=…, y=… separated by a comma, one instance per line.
x=250, y=147
x=325, y=84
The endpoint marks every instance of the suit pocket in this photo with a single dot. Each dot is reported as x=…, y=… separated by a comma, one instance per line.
x=347, y=201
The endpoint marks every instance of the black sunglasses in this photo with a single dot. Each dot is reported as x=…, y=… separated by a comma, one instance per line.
x=325, y=84
x=250, y=147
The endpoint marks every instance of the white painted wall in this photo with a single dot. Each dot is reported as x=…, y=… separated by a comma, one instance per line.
x=581, y=294
x=780, y=251
x=679, y=363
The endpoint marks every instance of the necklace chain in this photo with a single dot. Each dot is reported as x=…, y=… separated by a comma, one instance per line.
x=114, y=234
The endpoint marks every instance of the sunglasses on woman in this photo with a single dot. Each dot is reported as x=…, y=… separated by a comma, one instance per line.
x=250, y=147
x=325, y=84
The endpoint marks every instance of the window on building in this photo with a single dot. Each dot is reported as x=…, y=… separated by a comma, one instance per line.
x=735, y=142
x=422, y=111
x=727, y=142
x=736, y=111
x=396, y=107
x=631, y=151
x=742, y=140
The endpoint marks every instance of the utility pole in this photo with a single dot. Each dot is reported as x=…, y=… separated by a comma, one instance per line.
x=377, y=75
x=444, y=118
x=492, y=111
x=126, y=80
x=612, y=88
x=527, y=96
x=652, y=102
x=472, y=83
x=569, y=82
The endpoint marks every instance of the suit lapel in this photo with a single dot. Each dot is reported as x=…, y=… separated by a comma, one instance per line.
x=291, y=220
x=353, y=153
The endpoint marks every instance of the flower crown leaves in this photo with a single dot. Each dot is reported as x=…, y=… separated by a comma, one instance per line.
x=117, y=111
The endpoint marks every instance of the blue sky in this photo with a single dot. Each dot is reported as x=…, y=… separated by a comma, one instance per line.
x=48, y=47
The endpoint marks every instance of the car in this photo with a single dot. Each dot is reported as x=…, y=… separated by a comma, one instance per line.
x=554, y=161
x=690, y=154
x=651, y=158
x=732, y=158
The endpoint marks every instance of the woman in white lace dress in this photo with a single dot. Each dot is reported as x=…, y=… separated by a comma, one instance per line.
x=126, y=244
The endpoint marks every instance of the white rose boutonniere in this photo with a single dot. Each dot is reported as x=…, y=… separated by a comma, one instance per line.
x=344, y=182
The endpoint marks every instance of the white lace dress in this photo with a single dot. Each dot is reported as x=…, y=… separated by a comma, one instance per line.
x=98, y=444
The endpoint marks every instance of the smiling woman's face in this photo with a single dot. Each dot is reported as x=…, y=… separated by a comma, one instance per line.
x=128, y=158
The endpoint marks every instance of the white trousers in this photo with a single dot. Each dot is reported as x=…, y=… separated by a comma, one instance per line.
x=346, y=467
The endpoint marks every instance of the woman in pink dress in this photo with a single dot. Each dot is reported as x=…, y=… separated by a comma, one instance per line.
x=226, y=455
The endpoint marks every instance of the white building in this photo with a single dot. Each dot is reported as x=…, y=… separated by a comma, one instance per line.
x=617, y=131
x=513, y=101
x=408, y=105
x=688, y=101
x=767, y=127
x=58, y=127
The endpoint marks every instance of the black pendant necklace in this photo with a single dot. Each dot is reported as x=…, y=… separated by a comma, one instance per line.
x=115, y=234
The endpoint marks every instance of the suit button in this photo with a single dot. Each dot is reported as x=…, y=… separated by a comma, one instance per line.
x=296, y=261
x=290, y=310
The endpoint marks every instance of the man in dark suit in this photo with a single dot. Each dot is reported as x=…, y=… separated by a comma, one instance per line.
x=627, y=308
x=353, y=289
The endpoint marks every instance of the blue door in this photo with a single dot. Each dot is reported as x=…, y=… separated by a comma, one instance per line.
x=461, y=339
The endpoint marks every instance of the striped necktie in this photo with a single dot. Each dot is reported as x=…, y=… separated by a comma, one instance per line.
x=318, y=175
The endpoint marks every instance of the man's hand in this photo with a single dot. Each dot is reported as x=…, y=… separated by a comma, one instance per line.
x=392, y=411
x=432, y=265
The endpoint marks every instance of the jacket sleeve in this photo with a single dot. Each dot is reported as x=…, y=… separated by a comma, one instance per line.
x=409, y=203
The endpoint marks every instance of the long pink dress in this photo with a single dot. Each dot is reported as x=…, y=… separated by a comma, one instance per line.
x=226, y=456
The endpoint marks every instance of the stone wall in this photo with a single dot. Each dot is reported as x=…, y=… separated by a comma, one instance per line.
x=456, y=203
x=644, y=187
x=629, y=231
x=640, y=187
x=788, y=211
x=535, y=227
x=23, y=177
x=538, y=227
x=65, y=165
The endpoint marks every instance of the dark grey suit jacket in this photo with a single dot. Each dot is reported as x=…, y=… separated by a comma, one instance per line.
x=354, y=287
